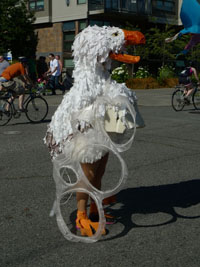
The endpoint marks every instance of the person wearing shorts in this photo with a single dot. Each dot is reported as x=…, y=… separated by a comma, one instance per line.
x=18, y=73
x=185, y=79
x=3, y=64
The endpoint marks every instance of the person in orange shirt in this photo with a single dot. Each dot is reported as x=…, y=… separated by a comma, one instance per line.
x=17, y=72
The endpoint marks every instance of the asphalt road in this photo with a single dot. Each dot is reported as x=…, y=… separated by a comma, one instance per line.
x=158, y=213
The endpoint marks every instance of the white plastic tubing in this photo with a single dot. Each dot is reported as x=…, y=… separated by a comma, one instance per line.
x=82, y=184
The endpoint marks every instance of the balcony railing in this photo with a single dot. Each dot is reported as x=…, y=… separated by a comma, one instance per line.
x=132, y=6
x=95, y=4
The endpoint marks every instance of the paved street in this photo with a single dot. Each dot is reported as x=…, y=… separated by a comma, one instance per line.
x=158, y=213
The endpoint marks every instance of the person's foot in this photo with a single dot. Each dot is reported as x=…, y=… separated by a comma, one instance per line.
x=22, y=110
x=54, y=93
x=86, y=226
x=187, y=101
x=7, y=113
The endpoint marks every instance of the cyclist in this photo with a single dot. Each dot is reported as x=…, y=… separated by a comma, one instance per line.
x=18, y=73
x=185, y=79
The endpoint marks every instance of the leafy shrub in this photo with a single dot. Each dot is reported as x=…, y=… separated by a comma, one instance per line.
x=142, y=72
x=165, y=72
x=120, y=74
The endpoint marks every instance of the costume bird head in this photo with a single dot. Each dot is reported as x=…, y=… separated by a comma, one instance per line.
x=97, y=45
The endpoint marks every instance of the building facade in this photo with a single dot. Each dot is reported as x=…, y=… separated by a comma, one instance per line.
x=58, y=21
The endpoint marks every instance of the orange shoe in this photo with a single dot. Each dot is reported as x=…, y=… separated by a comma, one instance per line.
x=86, y=226
x=109, y=200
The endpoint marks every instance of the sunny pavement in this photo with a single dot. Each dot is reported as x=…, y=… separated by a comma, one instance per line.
x=158, y=212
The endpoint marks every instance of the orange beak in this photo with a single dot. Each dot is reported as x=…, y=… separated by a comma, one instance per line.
x=132, y=38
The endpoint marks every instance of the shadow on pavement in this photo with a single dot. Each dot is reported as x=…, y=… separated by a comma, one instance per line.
x=28, y=122
x=163, y=200
x=195, y=112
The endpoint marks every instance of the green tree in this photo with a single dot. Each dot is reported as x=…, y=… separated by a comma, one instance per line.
x=158, y=49
x=16, y=27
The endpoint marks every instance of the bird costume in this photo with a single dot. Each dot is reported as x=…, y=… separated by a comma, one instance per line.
x=95, y=105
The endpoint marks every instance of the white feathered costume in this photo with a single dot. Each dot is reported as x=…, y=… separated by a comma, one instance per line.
x=94, y=106
x=74, y=124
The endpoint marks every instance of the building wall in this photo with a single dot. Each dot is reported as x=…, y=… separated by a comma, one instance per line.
x=62, y=12
x=45, y=16
x=50, y=39
x=49, y=24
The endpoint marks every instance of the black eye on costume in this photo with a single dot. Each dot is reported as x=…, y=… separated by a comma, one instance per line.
x=115, y=34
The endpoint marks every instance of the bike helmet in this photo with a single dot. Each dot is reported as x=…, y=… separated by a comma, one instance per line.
x=23, y=59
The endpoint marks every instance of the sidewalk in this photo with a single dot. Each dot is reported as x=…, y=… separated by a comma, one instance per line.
x=146, y=97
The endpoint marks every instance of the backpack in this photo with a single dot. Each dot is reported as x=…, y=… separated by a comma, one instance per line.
x=185, y=72
x=184, y=76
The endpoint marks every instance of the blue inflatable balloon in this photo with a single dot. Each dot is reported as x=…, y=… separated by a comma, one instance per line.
x=190, y=16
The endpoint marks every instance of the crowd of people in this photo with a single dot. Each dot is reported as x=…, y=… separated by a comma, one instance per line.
x=29, y=71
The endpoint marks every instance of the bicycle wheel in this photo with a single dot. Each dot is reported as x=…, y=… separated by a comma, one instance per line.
x=196, y=99
x=37, y=109
x=5, y=112
x=178, y=102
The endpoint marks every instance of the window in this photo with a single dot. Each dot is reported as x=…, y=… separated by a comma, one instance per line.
x=68, y=39
x=69, y=26
x=165, y=5
x=69, y=29
x=36, y=5
x=68, y=35
x=82, y=24
x=99, y=23
x=68, y=63
x=81, y=2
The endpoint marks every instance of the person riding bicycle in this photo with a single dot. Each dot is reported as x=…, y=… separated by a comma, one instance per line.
x=18, y=73
x=185, y=79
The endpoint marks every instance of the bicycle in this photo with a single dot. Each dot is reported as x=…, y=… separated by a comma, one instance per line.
x=179, y=101
x=35, y=106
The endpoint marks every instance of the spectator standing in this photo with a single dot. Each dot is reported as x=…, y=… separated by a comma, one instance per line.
x=3, y=64
x=54, y=71
x=61, y=68
x=60, y=63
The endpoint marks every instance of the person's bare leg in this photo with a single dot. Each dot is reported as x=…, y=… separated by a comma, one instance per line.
x=99, y=174
x=101, y=170
x=94, y=172
x=189, y=92
x=10, y=100
x=90, y=172
x=21, y=100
